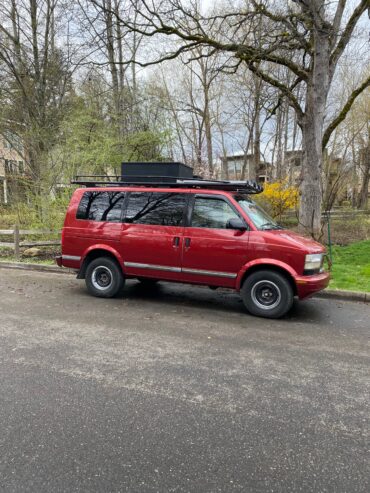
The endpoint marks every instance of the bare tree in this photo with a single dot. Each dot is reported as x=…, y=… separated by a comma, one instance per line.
x=307, y=38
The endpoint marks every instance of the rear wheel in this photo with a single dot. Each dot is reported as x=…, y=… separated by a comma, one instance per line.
x=104, y=277
x=266, y=293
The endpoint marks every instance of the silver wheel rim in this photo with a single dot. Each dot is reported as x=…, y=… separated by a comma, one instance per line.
x=102, y=278
x=266, y=295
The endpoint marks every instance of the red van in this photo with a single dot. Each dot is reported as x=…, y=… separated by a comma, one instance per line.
x=191, y=231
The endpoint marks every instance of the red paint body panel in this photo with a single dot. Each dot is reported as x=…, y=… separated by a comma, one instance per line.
x=215, y=250
x=226, y=255
x=308, y=285
x=152, y=245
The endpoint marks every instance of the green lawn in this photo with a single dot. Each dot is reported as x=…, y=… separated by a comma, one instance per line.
x=351, y=267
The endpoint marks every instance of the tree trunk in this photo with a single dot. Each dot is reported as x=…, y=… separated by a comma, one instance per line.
x=364, y=193
x=311, y=124
x=285, y=140
x=256, y=160
x=111, y=57
x=278, y=143
x=354, y=176
x=311, y=188
x=208, y=132
x=123, y=125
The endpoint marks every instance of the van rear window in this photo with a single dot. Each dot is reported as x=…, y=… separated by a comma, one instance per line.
x=101, y=206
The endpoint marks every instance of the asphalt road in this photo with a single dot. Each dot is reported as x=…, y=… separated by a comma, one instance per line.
x=178, y=390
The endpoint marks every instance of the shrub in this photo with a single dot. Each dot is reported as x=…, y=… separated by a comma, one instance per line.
x=279, y=197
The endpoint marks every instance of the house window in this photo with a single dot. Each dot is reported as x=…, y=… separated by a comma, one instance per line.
x=10, y=166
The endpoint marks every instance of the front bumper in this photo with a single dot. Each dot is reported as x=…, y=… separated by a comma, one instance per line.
x=309, y=285
x=58, y=260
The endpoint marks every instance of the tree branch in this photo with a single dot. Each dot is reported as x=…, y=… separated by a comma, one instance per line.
x=347, y=32
x=8, y=34
x=246, y=52
x=343, y=113
x=284, y=89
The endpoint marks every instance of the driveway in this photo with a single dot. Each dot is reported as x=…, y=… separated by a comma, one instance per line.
x=178, y=390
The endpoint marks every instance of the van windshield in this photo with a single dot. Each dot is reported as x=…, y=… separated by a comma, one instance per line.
x=259, y=217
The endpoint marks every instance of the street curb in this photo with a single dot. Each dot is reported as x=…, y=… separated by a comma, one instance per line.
x=334, y=294
x=337, y=294
x=35, y=267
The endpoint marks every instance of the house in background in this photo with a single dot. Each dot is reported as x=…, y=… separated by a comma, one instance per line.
x=12, y=165
x=230, y=167
x=289, y=168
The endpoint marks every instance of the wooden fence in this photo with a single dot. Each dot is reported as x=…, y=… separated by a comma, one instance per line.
x=17, y=233
x=335, y=214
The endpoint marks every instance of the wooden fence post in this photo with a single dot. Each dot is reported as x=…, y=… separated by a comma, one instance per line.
x=16, y=241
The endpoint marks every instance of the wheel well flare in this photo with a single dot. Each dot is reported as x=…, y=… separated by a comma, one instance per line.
x=271, y=267
x=92, y=255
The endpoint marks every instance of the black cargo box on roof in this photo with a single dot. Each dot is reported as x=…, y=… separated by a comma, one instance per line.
x=151, y=172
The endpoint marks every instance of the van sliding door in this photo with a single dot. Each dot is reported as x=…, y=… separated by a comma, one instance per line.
x=152, y=234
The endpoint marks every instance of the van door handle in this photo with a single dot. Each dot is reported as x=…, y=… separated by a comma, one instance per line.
x=187, y=242
x=176, y=241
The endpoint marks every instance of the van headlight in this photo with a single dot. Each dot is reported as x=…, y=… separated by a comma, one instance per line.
x=313, y=263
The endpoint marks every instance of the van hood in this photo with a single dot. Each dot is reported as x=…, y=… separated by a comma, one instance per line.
x=299, y=241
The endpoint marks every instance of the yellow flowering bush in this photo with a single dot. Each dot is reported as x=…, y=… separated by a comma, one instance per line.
x=279, y=197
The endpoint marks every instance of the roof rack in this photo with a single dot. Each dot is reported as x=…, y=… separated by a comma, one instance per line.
x=247, y=186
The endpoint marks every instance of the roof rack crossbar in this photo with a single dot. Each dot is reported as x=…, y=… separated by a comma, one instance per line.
x=168, y=182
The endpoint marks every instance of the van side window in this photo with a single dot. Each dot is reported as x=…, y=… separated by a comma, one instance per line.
x=211, y=213
x=165, y=209
x=101, y=206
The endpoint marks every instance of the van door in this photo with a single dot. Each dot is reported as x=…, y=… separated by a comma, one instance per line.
x=212, y=253
x=152, y=234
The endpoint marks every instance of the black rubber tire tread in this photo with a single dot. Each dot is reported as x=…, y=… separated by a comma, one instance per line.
x=287, y=295
x=118, y=279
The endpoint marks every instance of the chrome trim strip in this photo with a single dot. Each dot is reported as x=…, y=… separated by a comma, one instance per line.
x=166, y=268
x=153, y=266
x=178, y=269
x=210, y=273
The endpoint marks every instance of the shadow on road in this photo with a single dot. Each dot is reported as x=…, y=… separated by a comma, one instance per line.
x=201, y=297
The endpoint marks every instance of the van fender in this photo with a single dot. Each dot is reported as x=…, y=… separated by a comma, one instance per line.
x=107, y=248
x=264, y=262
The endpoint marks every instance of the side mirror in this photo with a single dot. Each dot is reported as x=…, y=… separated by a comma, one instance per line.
x=236, y=223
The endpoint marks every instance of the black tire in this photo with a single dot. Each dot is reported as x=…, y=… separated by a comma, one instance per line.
x=268, y=294
x=104, y=277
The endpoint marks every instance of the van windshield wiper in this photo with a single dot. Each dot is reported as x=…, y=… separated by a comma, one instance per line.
x=270, y=226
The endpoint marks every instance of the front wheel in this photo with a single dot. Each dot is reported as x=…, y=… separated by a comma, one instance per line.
x=268, y=294
x=104, y=277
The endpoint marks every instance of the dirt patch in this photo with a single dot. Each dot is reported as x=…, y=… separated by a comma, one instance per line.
x=47, y=254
